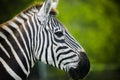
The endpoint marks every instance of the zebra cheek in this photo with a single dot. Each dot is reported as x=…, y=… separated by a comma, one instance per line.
x=82, y=69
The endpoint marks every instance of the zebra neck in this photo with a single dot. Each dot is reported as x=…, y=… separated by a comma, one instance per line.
x=24, y=29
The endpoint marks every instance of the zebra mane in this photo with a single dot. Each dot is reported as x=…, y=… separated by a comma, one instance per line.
x=34, y=8
x=38, y=6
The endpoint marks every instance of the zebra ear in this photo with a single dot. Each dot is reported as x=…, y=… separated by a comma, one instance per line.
x=55, y=3
x=45, y=10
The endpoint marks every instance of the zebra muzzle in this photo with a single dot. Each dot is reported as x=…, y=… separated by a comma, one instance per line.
x=82, y=69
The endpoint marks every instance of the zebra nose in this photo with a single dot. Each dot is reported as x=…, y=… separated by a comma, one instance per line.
x=82, y=69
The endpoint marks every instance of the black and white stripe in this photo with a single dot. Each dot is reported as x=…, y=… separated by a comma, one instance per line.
x=32, y=36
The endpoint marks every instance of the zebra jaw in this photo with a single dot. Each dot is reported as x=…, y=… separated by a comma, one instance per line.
x=82, y=69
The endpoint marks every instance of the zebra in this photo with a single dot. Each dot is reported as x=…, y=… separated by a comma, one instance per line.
x=34, y=35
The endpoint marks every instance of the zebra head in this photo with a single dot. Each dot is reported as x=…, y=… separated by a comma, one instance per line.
x=59, y=48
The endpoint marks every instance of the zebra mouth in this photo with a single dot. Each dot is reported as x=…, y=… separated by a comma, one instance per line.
x=82, y=69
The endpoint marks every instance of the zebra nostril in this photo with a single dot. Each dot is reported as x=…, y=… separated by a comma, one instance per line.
x=82, y=69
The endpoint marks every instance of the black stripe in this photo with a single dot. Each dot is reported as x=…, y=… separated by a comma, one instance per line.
x=53, y=57
x=29, y=32
x=12, y=61
x=3, y=73
x=36, y=27
x=43, y=37
x=69, y=57
x=46, y=49
x=72, y=39
x=69, y=44
x=22, y=18
x=72, y=43
x=33, y=30
x=52, y=51
x=49, y=24
x=70, y=62
x=17, y=35
x=61, y=47
x=59, y=41
x=23, y=31
x=5, y=45
x=64, y=53
x=27, y=41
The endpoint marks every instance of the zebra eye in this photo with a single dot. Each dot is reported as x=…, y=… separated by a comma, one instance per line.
x=59, y=33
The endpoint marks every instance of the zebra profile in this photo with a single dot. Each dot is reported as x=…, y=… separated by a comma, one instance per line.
x=35, y=34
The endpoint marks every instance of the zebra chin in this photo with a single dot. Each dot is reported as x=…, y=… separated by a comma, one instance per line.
x=82, y=68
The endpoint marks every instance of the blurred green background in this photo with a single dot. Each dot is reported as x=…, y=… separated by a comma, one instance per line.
x=94, y=23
